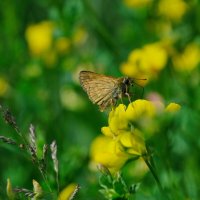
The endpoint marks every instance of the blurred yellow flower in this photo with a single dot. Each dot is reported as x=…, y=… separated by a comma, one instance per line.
x=79, y=36
x=147, y=61
x=173, y=107
x=157, y=52
x=172, y=9
x=137, y=3
x=188, y=60
x=4, y=86
x=39, y=37
x=68, y=191
x=62, y=45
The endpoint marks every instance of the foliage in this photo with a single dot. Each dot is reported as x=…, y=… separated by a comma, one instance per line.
x=44, y=46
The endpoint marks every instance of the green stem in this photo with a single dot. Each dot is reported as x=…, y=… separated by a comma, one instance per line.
x=153, y=173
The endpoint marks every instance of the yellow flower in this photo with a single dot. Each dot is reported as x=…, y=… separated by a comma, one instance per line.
x=172, y=9
x=68, y=192
x=131, y=68
x=114, y=152
x=173, y=108
x=188, y=60
x=4, y=86
x=117, y=120
x=108, y=152
x=157, y=52
x=140, y=109
x=147, y=61
x=133, y=142
x=39, y=37
x=142, y=113
x=137, y=3
x=124, y=136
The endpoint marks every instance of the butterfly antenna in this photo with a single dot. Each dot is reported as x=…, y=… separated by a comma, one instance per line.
x=141, y=79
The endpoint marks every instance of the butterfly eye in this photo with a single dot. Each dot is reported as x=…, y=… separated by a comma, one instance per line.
x=126, y=81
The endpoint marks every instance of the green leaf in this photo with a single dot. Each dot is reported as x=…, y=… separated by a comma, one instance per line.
x=105, y=181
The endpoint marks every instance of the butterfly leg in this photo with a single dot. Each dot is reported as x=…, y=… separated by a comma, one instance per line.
x=113, y=103
x=127, y=94
x=120, y=97
x=129, y=97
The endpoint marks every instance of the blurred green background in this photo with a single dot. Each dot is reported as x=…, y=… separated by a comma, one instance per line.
x=44, y=46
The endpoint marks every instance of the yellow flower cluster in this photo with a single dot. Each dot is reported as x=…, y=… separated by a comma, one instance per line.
x=40, y=38
x=42, y=44
x=147, y=61
x=172, y=9
x=124, y=137
x=188, y=59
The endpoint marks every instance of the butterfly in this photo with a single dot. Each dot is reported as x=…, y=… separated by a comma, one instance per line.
x=105, y=90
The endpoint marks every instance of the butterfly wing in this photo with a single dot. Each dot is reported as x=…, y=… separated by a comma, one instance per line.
x=100, y=88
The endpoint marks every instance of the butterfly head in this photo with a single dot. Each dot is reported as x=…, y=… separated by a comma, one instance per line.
x=128, y=81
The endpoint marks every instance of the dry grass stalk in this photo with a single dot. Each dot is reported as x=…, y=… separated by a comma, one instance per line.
x=32, y=143
x=44, y=157
x=27, y=193
x=7, y=140
x=53, y=147
x=9, y=118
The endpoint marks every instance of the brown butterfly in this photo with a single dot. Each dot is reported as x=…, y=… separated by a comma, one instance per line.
x=105, y=90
